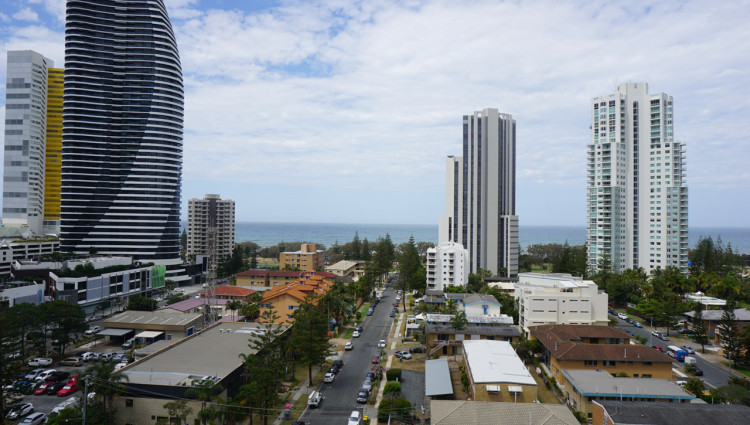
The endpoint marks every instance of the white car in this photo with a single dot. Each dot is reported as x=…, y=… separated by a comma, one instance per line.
x=348, y=346
x=355, y=334
x=402, y=355
x=622, y=316
x=37, y=418
x=329, y=377
x=44, y=375
x=353, y=418
x=178, y=290
x=92, y=330
x=381, y=344
x=88, y=356
x=40, y=361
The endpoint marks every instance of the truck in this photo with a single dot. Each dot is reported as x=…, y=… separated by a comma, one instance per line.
x=314, y=399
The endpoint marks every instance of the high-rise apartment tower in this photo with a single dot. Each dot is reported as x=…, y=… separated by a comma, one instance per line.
x=637, y=206
x=25, y=139
x=480, y=203
x=122, y=131
x=210, y=226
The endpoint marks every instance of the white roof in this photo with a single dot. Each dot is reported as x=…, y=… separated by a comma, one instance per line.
x=502, y=319
x=148, y=334
x=496, y=362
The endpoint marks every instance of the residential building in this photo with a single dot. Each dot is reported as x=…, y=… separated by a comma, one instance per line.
x=53, y=151
x=447, y=265
x=462, y=412
x=558, y=299
x=496, y=373
x=169, y=326
x=443, y=338
x=617, y=412
x=210, y=226
x=25, y=139
x=284, y=300
x=308, y=258
x=263, y=280
x=637, y=210
x=232, y=293
x=122, y=133
x=598, y=348
x=212, y=355
x=346, y=268
x=480, y=204
x=582, y=387
x=712, y=321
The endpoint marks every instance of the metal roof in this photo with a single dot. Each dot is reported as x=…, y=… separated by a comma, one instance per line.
x=437, y=378
x=495, y=362
x=114, y=332
x=599, y=383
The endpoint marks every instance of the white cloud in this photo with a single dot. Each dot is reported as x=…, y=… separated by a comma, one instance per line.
x=26, y=14
x=56, y=8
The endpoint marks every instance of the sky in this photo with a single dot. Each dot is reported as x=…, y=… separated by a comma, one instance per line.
x=343, y=111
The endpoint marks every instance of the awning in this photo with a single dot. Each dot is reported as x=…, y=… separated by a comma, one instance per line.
x=437, y=378
x=515, y=389
x=148, y=334
x=493, y=388
x=114, y=332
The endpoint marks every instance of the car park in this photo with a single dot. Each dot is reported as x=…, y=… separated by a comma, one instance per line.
x=362, y=396
x=36, y=418
x=348, y=345
x=92, y=330
x=355, y=334
x=381, y=343
x=40, y=361
x=353, y=418
x=20, y=411
x=72, y=361
x=376, y=359
x=329, y=377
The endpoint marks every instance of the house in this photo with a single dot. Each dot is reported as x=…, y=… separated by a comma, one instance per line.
x=263, y=280
x=284, y=300
x=461, y=412
x=598, y=348
x=496, y=373
x=212, y=355
x=229, y=292
x=558, y=299
x=583, y=387
x=308, y=258
x=712, y=320
x=611, y=412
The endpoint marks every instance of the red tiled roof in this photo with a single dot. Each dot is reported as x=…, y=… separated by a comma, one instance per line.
x=271, y=273
x=237, y=291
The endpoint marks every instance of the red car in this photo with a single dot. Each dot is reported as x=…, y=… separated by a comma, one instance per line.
x=657, y=348
x=68, y=389
x=43, y=388
x=375, y=359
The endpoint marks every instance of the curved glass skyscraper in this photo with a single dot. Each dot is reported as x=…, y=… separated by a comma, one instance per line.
x=122, y=130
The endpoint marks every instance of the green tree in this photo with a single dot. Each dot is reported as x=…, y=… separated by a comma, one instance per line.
x=205, y=392
x=695, y=386
x=459, y=321
x=409, y=265
x=178, y=409
x=138, y=302
x=105, y=384
x=233, y=306
x=699, y=327
x=64, y=319
x=396, y=408
x=253, y=259
x=310, y=334
x=355, y=252
x=728, y=332
x=366, y=250
x=392, y=389
x=10, y=343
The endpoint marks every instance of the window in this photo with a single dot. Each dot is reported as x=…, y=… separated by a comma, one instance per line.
x=589, y=362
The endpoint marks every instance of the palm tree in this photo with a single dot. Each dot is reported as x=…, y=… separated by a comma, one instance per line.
x=233, y=306
x=205, y=391
x=105, y=383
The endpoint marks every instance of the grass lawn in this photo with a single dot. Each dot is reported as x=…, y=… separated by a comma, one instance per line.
x=740, y=370
x=543, y=394
x=347, y=334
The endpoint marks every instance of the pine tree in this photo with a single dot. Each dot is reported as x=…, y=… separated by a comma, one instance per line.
x=699, y=327
x=729, y=332
x=310, y=334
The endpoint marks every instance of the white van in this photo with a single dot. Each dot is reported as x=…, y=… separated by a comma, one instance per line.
x=353, y=418
x=690, y=360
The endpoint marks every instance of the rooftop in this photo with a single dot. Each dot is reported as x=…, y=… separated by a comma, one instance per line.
x=437, y=377
x=599, y=383
x=459, y=412
x=645, y=413
x=192, y=303
x=230, y=291
x=499, y=330
x=131, y=317
x=270, y=273
x=213, y=352
x=742, y=315
x=502, y=319
x=342, y=265
x=495, y=361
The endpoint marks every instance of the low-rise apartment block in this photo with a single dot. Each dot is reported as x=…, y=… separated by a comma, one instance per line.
x=308, y=258
x=263, y=280
x=285, y=300
x=617, y=412
x=558, y=299
x=496, y=373
x=346, y=268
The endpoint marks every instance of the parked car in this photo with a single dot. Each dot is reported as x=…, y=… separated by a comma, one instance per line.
x=37, y=418
x=105, y=357
x=348, y=345
x=367, y=384
x=92, y=330
x=338, y=363
x=72, y=361
x=329, y=377
x=660, y=335
x=68, y=389
x=376, y=359
x=42, y=389
x=314, y=399
x=376, y=372
x=403, y=355
x=355, y=334
x=395, y=304
x=637, y=324
x=381, y=343
x=40, y=361
x=393, y=314
x=178, y=290
x=657, y=348
x=622, y=316
x=417, y=350
x=369, y=312
x=362, y=396
x=353, y=418
x=686, y=332
x=55, y=387
x=334, y=369
x=359, y=329
x=688, y=350
x=693, y=369
x=34, y=373
x=20, y=411
x=88, y=356
x=128, y=344
x=45, y=375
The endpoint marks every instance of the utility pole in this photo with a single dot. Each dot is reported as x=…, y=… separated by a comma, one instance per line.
x=85, y=400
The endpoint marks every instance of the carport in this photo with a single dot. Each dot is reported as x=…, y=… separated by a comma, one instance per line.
x=116, y=334
x=437, y=379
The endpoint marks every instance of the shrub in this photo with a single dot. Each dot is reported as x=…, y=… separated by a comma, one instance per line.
x=580, y=416
x=393, y=406
x=392, y=388
x=464, y=379
x=393, y=374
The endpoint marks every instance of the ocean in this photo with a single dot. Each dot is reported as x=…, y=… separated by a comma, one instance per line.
x=268, y=234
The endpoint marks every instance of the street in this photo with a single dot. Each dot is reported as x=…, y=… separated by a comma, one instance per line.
x=713, y=375
x=341, y=395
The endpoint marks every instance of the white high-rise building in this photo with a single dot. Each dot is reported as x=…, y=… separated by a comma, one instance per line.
x=25, y=138
x=637, y=194
x=447, y=265
x=210, y=226
x=480, y=204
